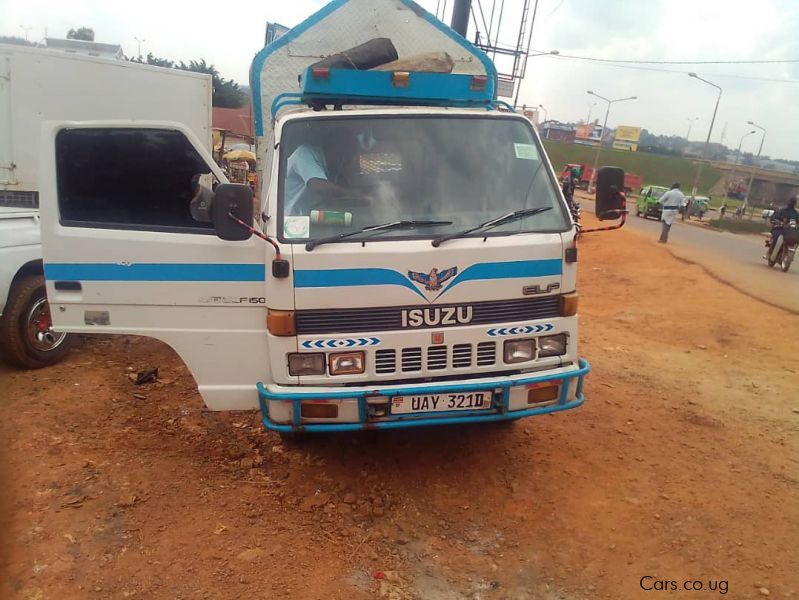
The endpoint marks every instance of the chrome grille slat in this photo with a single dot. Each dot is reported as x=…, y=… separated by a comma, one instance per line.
x=486, y=353
x=436, y=358
x=385, y=361
x=411, y=359
x=461, y=356
x=354, y=320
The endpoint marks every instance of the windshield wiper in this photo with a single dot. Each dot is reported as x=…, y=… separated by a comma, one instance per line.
x=506, y=218
x=379, y=228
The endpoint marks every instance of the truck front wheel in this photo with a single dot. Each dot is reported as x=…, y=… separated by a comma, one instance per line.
x=27, y=338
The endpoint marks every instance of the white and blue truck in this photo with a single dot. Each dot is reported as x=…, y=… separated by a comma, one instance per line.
x=411, y=260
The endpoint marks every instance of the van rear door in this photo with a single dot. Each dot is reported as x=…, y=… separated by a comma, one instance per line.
x=127, y=251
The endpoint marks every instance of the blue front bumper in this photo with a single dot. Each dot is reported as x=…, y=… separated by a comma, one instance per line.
x=499, y=412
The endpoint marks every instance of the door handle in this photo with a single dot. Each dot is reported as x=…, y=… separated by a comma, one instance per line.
x=68, y=286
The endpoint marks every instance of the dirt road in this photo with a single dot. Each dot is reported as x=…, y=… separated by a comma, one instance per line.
x=683, y=465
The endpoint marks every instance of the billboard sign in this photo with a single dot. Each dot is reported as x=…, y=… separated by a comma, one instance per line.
x=505, y=88
x=274, y=31
x=627, y=146
x=626, y=133
x=588, y=133
x=627, y=138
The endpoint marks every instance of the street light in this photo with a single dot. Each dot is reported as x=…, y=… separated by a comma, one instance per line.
x=690, y=124
x=736, y=163
x=754, y=162
x=546, y=113
x=26, y=30
x=139, y=42
x=591, y=106
x=519, y=87
x=602, y=135
x=709, y=131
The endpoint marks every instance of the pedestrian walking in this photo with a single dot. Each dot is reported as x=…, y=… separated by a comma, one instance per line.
x=671, y=201
x=722, y=210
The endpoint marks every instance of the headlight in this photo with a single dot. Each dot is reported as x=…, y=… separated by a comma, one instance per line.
x=517, y=351
x=307, y=364
x=552, y=345
x=346, y=363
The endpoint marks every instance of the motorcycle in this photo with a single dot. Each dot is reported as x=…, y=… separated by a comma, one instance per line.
x=784, y=248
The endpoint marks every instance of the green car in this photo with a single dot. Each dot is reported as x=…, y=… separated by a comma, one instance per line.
x=648, y=203
x=699, y=206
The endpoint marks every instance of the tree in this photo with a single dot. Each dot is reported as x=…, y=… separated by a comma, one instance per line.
x=81, y=33
x=13, y=39
x=226, y=92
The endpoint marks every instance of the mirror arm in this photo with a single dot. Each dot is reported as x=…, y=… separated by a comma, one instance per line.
x=611, y=227
x=257, y=233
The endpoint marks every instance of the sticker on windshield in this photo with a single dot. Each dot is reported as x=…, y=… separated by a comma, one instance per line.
x=296, y=227
x=525, y=151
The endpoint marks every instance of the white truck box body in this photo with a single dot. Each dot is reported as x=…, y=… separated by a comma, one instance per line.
x=37, y=84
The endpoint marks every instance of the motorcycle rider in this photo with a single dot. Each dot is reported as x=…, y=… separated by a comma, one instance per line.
x=780, y=218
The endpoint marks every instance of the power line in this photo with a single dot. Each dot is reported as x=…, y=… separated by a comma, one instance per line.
x=674, y=62
x=633, y=68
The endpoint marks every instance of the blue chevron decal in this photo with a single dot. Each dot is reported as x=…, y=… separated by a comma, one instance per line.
x=340, y=343
x=519, y=330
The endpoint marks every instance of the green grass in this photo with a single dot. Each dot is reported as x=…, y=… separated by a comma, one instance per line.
x=656, y=169
x=740, y=225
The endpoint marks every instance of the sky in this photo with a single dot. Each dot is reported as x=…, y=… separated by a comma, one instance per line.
x=229, y=35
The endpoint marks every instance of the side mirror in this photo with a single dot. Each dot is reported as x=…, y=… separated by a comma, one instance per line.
x=233, y=198
x=610, y=201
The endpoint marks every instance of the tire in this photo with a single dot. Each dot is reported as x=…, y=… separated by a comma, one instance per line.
x=771, y=262
x=27, y=338
x=787, y=259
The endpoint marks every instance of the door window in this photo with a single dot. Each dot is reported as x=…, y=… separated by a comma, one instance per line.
x=123, y=178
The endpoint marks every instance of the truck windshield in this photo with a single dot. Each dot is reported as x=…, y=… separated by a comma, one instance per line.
x=341, y=174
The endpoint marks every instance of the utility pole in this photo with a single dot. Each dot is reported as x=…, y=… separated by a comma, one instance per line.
x=690, y=124
x=754, y=163
x=460, y=16
x=139, y=42
x=709, y=131
x=736, y=163
x=590, y=108
x=26, y=30
x=602, y=135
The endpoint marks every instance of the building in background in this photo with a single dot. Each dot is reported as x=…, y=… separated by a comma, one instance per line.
x=627, y=138
x=85, y=48
x=557, y=131
x=231, y=126
x=588, y=134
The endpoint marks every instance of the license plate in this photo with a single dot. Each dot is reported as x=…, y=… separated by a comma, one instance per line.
x=440, y=402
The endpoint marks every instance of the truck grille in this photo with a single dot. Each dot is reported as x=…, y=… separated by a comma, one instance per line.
x=353, y=320
x=435, y=358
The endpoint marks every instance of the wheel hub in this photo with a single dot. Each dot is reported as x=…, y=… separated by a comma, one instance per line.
x=40, y=327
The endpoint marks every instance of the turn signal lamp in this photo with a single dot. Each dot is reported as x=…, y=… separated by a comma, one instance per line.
x=281, y=322
x=568, y=304
x=401, y=78
x=543, y=392
x=320, y=73
x=315, y=409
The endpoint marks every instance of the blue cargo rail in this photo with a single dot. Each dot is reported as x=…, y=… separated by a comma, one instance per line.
x=498, y=412
x=321, y=86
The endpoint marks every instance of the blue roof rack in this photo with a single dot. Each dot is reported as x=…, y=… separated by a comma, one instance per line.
x=323, y=86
